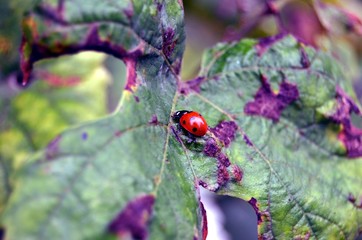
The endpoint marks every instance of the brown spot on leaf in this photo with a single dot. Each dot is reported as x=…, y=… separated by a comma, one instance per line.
x=204, y=221
x=352, y=139
x=26, y=64
x=350, y=135
x=58, y=81
x=223, y=159
x=222, y=175
x=168, y=42
x=247, y=140
x=131, y=74
x=352, y=199
x=254, y=203
x=84, y=136
x=203, y=184
x=211, y=148
x=345, y=107
x=133, y=219
x=225, y=131
x=136, y=98
x=154, y=120
x=304, y=60
x=129, y=11
x=265, y=43
x=270, y=105
x=53, y=148
x=237, y=172
x=192, y=85
x=33, y=50
x=118, y=133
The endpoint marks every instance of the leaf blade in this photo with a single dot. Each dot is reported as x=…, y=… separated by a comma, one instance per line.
x=290, y=162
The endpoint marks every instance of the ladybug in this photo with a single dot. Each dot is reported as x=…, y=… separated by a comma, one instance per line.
x=192, y=122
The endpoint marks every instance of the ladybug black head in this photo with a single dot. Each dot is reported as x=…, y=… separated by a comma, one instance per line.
x=177, y=115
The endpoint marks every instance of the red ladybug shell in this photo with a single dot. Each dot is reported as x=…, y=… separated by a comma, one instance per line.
x=194, y=123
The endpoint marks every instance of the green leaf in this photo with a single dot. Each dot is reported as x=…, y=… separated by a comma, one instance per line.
x=296, y=145
x=280, y=135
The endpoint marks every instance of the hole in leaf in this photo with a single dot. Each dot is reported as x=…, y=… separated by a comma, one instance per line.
x=68, y=90
x=229, y=218
x=103, y=76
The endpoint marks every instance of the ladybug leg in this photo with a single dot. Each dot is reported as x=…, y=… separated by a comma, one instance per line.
x=191, y=138
x=179, y=128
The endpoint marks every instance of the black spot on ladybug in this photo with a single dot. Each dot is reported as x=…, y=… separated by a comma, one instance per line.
x=200, y=115
x=184, y=122
x=194, y=129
